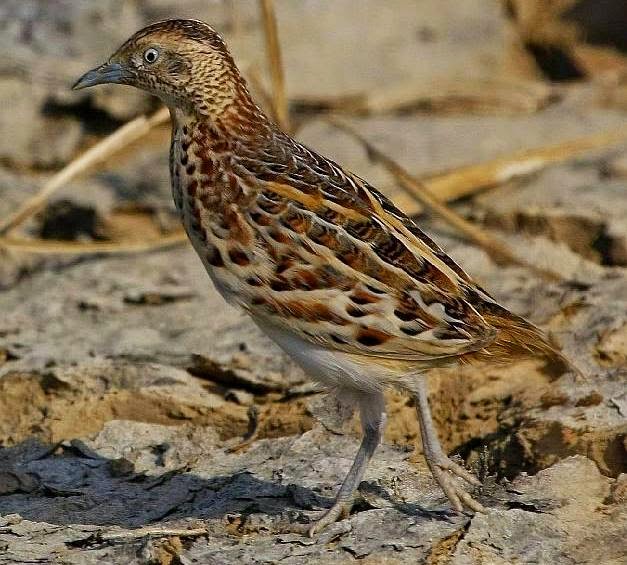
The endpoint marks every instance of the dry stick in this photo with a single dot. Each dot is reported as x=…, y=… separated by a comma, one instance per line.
x=468, y=180
x=253, y=431
x=496, y=249
x=127, y=134
x=234, y=17
x=46, y=246
x=273, y=52
x=152, y=531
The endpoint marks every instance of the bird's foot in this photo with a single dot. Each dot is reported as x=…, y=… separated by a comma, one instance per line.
x=444, y=471
x=339, y=511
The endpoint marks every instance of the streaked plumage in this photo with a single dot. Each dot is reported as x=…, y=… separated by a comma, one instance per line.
x=339, y=277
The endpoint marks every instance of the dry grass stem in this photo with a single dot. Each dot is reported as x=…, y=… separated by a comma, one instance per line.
x=495, y=248
x=152, y=531
x=124, y=136
x=273, y=52
x=49, y=247
x=541, y=21
x=464, y=181
x=234, y=17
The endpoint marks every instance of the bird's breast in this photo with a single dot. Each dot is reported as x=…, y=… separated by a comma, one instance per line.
x=211, y=201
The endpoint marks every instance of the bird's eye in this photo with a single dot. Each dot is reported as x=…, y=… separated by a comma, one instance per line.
x=151, y=55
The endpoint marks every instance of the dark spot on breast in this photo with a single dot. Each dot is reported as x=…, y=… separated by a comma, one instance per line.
x=284, y=264
x=254, y=281
x=191, y=169
x=184, y=159
x=238, y=227
x=260, y=219
x=355, y=312
x=279, y=236
x=375, y=289
x=306, y=280
x=312, y=312
x=321, y=312
x=185, y=146
x=236, y=190
x=220, y=145
x=371, y=337
x=214, y=257
x=195, y=222
x=206, y=167
x=192, y=187
x=405, y=315
x=185, y=130
x=361, y=297
x=279, y=285
x=239, y=257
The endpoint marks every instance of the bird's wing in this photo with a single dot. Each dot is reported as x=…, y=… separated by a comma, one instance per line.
x=350, y=271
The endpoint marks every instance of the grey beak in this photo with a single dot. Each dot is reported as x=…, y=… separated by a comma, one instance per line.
x=104, y=74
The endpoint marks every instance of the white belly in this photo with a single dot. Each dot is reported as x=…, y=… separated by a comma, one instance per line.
x=330, y=367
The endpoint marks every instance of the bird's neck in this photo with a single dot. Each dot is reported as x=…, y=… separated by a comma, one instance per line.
x=231, y=114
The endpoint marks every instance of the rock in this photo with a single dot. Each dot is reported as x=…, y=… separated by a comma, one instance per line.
x=37, y=139
x=175, y=329
x=39, y=38
x=565, y=204
x=65, y=220
x=184, y=474
x=79, y=400
x=578, y=528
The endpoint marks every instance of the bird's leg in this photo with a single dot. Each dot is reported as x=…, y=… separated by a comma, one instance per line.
x=442, y=467
x=372, y=414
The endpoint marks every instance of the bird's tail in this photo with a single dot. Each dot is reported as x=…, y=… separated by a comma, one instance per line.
x=516, y=337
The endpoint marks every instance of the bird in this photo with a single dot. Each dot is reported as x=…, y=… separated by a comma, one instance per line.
x=326, y=265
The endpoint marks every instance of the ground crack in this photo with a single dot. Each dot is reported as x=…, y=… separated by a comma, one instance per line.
x=442, y=552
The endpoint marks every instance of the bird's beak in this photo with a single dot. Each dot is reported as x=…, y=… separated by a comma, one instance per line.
x=104, y=74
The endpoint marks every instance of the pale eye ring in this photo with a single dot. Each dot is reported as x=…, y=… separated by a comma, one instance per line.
x=151, y=55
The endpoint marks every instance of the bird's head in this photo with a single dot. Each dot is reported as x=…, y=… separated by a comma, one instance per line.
x=183, y=62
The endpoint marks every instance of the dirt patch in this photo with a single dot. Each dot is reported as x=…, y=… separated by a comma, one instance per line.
x=41, y=405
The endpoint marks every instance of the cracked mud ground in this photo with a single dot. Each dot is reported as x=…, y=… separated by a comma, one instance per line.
x=126, y=384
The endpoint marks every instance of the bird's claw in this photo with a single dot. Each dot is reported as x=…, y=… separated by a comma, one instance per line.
x=339, y=511
x=444, y=470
